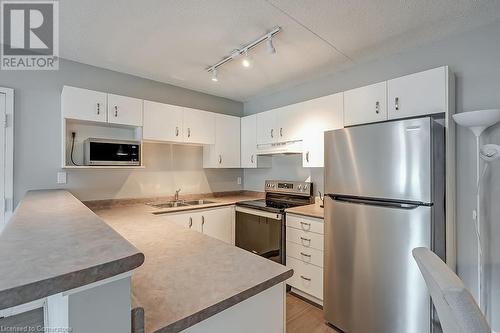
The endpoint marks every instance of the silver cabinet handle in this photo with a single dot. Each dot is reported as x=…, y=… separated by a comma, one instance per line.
x=305, y=278
x=306, y=224
x=396, y=102
x=190, y=222
x=98, y=108
x=116, y=110
x=202, y=222
x=306, y=239
x=177, y=131
x=307, y=157
x=305, y=254
x=281, y=131
x=272, y=133
x=220, y=159
x=251, y=159
x=377, y=107
x=189, y=132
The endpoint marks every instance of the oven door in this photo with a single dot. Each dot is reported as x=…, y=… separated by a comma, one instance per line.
x=260, y=232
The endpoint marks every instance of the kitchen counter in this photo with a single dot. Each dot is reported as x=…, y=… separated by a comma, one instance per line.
x=188, y=277
x=54, y=243
x=314, y=210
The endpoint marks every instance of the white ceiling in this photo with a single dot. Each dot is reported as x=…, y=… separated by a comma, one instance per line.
x=173, y=41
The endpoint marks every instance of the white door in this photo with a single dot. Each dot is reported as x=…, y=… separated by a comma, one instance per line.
x=290, y=122
x=217, y=223
x=266, y=127
x=248, y=141
x=418, y=94
x=366, y=104
x=124, y=110
x=199, y=126
x=3, y=113
x=162, y=122
x=227, y=141
x=84, y=104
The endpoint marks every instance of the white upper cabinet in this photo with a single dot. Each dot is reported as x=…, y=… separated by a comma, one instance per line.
x=199, y=126
x=266, y=127
x=366, y=104
x=225, y=153
x=83, y=104
x=323, y=114
x=290, y=122
x=162, y=122
x=249, y=159
x=418, y=94
x=124, y=110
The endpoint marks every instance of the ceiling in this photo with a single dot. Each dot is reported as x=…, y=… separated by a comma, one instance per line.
x=174, y=41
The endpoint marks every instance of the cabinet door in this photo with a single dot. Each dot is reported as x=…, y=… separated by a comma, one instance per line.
x=418, y=94
x=323, y=114
x=266, y=127
x=227, y=141
x=124, y=110
x=83, y=104
x=198, y=126
x=217, y=223
x=290, y=122
x=248, y=141
x=162, y=122
x=189, y=220
x=366, y=104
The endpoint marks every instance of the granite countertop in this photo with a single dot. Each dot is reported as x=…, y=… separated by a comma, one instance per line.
x=313, y=210
x=187, y=277
x=54, y=243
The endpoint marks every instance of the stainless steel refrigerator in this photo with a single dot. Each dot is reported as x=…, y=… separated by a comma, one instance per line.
x=385, y=196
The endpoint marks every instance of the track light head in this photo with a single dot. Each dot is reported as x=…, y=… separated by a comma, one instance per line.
x=269, y=44
x=246, y=62
x=214, y=75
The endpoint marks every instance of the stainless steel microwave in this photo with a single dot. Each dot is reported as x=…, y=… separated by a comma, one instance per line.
x=112, y=152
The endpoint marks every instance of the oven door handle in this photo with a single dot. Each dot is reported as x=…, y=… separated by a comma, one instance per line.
x=257, y=212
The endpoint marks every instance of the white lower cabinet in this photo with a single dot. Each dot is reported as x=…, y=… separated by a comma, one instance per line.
x=216, y=222
x=304, y=254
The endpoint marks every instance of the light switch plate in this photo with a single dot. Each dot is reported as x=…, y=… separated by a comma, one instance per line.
x=61, y=177
x=238, y=180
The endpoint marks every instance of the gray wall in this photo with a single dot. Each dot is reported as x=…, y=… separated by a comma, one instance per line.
x=37, y=155
x=475, y=58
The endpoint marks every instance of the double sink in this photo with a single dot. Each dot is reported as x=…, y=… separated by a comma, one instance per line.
x=180, y=203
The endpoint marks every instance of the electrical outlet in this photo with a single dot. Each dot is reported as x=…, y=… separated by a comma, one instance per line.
x=238, y=180
x=61, y=177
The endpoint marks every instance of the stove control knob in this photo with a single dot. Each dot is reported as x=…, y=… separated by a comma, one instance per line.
x=273, y=186
x=299, y=187
x=305, y=187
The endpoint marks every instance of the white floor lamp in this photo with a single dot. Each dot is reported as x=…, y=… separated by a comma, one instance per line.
x=477, y=122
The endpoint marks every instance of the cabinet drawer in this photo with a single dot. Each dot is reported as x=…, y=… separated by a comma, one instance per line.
x=305, y=223
x=306, y=277
x=304, y=238
x=305, y=254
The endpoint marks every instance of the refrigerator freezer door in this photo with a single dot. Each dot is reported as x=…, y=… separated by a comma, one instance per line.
x=371, y=282
x=389, y=160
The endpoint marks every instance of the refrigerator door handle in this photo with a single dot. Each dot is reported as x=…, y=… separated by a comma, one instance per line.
x=371, y=202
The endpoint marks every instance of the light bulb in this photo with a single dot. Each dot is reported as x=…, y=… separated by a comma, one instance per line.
x=246, y=60
x=214, y=75
x=270, y=46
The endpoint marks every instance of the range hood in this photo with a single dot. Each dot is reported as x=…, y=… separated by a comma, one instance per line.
x=283, y=148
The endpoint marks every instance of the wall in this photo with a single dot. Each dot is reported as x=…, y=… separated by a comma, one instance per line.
x=474, y=57
x=37, y=157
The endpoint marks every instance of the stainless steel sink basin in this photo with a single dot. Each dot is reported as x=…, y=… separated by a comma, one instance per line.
x=198, y=202
x=169, y=204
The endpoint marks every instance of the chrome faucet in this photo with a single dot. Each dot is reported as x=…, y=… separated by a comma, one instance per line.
x=176, y=196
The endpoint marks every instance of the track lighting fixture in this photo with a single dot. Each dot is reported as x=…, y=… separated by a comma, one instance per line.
x=243, y=51
x=214, y=75
x=269, y=45
x=246, y=60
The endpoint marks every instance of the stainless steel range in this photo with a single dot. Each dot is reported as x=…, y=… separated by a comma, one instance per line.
x=260, y=224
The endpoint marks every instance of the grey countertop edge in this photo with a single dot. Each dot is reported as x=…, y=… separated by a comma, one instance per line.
x=212, y=310
x=44, y=288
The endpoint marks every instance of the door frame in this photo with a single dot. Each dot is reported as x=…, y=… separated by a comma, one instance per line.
x=9, y=155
